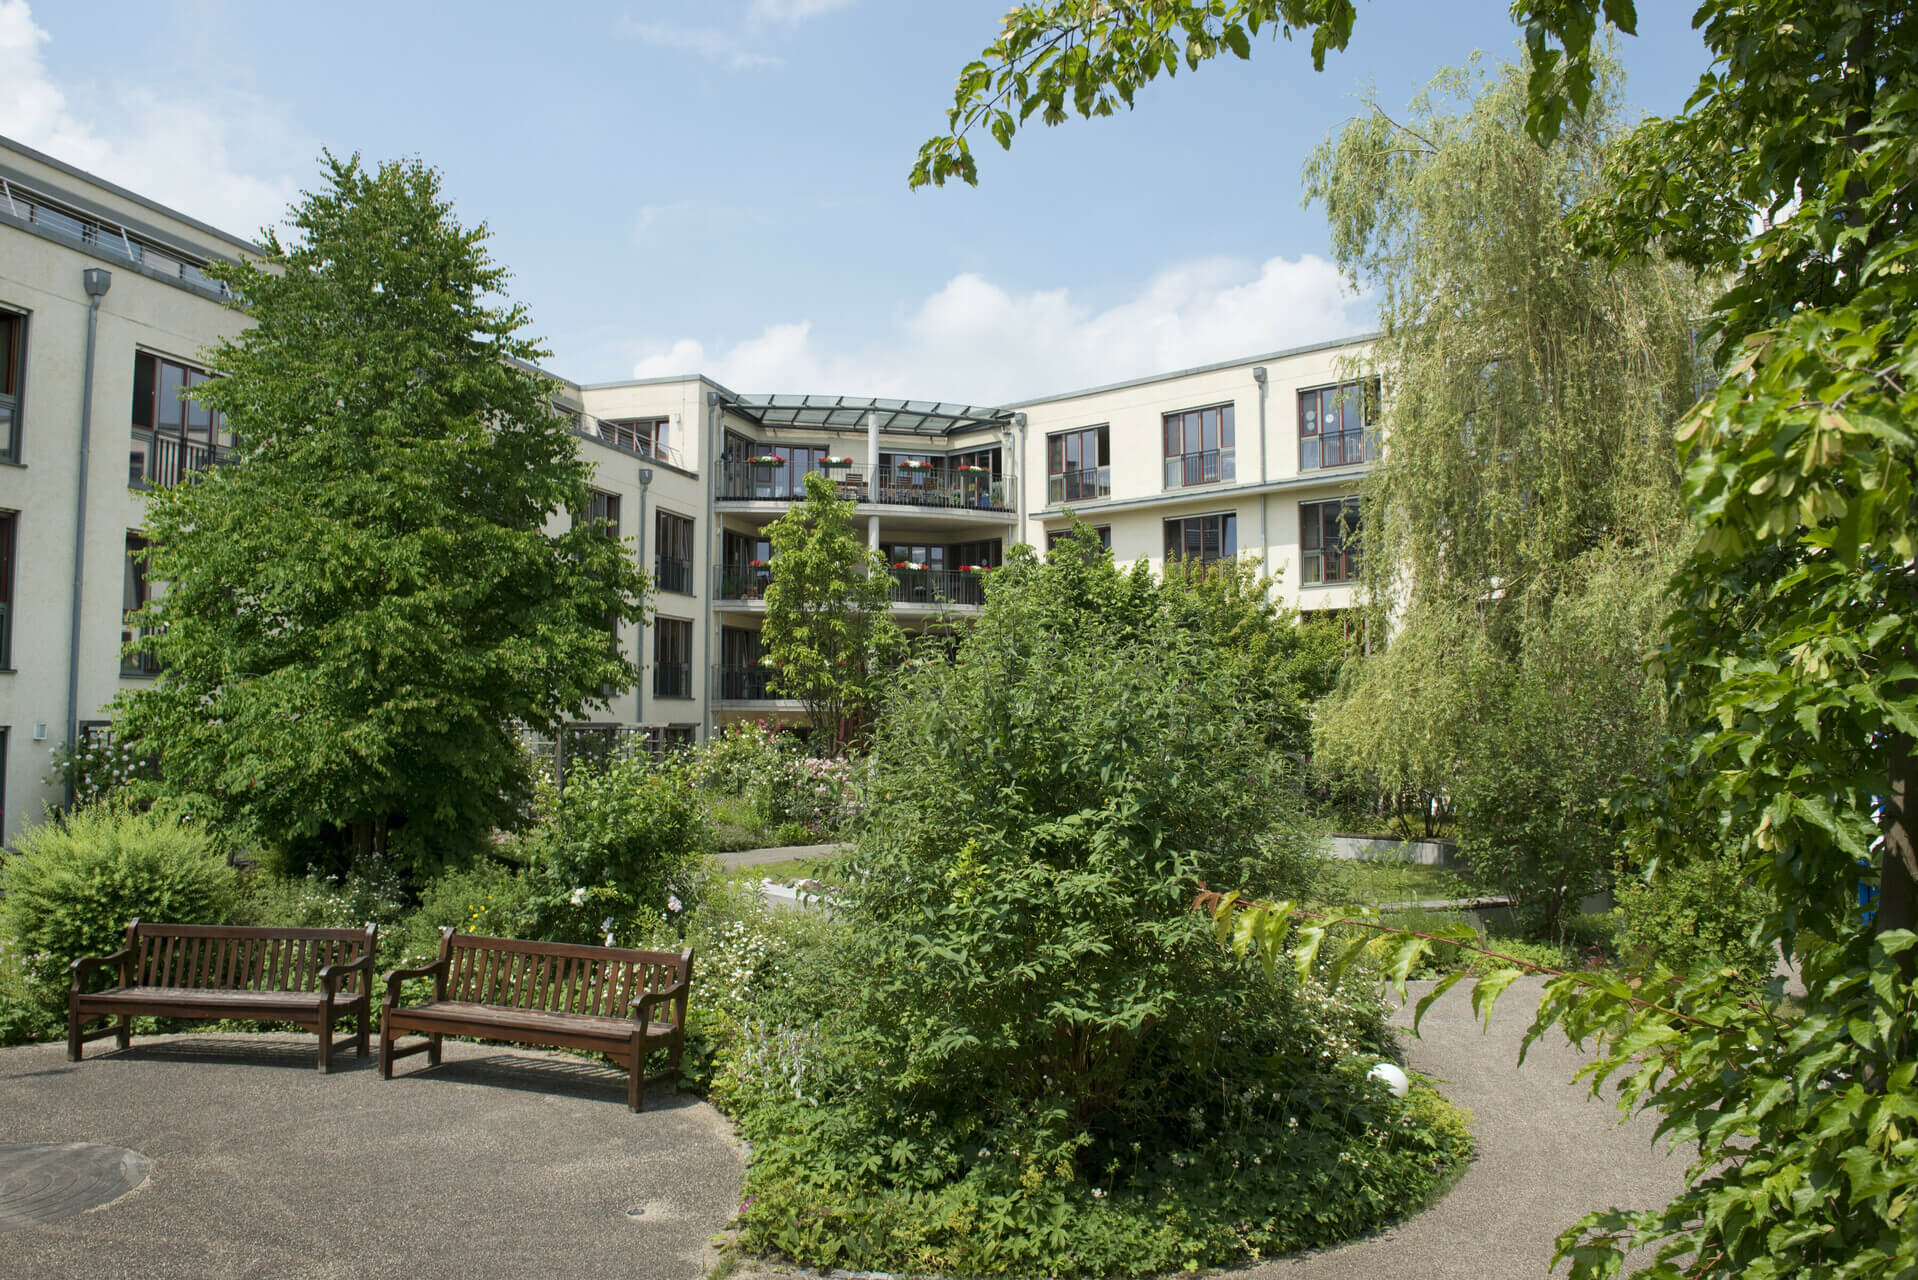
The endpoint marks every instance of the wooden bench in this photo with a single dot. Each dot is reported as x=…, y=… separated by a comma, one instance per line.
x=616, y=1001
x=206, y=972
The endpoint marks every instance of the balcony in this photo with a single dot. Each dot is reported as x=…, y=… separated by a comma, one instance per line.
x=673, y=574
x=137, y=665
x=672, y=679
x=742, y=582
x=1338, y=449
x=932, y=486
x=744, y=684
x=157, y=460
x=1189, y=470
x=937, y=588
x=1087, y=485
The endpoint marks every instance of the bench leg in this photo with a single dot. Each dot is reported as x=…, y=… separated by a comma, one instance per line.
x=364, y=1015
x=636, y=1076
x=433, y=1052
x=124, y=1037
x=679, y=1047
x=326, y=1040
x=74, y=1042
x=386, y=1049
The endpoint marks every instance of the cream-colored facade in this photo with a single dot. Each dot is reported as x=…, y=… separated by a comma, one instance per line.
x=691, y=471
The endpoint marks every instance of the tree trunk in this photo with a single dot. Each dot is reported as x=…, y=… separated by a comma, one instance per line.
x=1897, y=905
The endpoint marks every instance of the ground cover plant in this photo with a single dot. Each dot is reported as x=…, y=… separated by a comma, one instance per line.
x=1022, y=1052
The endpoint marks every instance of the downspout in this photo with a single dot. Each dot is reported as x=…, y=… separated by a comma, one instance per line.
x=1265, y=542
x=639, y=640
x=1019, y=476
x=96, y=281
x=715, y=448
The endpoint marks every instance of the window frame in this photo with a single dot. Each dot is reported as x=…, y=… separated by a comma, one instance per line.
x=1185, y=467
x=13, y=361
x=136, y=592
x=1055, y=536
x=1367, y=393
x=9, y=542
x=669, y=544
x=1312, y=539
x=1228, y=536
x=1059, y=447
x=144, y=469
x=664, y=626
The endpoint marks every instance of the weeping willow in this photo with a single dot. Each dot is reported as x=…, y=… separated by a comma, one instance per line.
x=1527, y=402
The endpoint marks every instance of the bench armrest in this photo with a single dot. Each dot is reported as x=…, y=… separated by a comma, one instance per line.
x=643, y=1006
x=395, y=977
x=331, y=976
x=87, y=964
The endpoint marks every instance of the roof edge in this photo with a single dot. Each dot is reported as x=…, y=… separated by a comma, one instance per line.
x=1214, y=367
x=73, y=171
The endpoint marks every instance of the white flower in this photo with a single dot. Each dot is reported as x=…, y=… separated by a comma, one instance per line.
x=1098, y=1194
x=578, y=898
x=672, y=902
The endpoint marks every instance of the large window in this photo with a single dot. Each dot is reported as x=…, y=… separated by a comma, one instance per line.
x=1329, y=541
x=673, y=556
x=135, y=591
x=1202, y=538
x=602, y=509
x=172, y=437
x=1336, y=425
x=1055, y=536
x=1199, y=447
x=986, y=460
x=673, y=657
x=8, y=520
x=1078, y=465
x=745, y=566
x=13, y=367
x=743, y=674
x=650, y=436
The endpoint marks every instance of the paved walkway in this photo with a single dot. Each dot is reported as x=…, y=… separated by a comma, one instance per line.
x=500, y=1162
x=782, y=853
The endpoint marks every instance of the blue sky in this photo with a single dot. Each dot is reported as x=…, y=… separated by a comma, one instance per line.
x=720, y=186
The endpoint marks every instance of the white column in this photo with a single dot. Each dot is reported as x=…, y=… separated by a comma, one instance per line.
x=872, y=475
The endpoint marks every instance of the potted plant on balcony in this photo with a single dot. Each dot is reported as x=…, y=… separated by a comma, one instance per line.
x=910, y=566
x=974, y=469
x=975, y=568
x=766, y=460
x=915, y=464
x=835, y=463
x=760, y=564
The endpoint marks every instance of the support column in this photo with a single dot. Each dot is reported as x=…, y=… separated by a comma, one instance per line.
x=872, y=475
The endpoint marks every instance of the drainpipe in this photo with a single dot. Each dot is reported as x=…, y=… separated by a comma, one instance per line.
x=872, y=475
x=715, y=447
x=639, y=641
x=1265, y=542
x=1018, y=471
x=96, y=281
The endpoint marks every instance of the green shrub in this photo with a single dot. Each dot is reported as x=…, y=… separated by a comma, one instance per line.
x=369, y=894
x=78, y=880
x=487, y=898
x=1693, y=914
x=621, y=840
x=26, y=1015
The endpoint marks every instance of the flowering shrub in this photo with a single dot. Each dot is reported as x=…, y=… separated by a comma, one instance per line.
x=98, y=765
x=780, y=783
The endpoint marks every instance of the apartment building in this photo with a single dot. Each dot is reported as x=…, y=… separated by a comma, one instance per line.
x=105, y=313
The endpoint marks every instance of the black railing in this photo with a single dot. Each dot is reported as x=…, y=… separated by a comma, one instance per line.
x=930, y=486
x=1213, y=466
x=1337, y=449
x=741, y=581
x=167, y=460
x=1079, y=486
x=672, y=679
x=937, y=587
x=673, y=574
x=744, y=684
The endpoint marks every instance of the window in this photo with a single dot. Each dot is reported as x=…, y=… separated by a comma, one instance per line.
x=673, y=558
x=134, y=594
x=742, y=669
x=1329, y=541
x=1199, y=447
x=745, y=566
x=650, y=436
x=1202, y=538
x=985, y=459
x=673, y=657
x=988, y=553
x=1336, y=425
x=1055, y=536
x=8, y=519
x=13, y=367
x=173, y=438
x=1078, y=465
x=602, y=509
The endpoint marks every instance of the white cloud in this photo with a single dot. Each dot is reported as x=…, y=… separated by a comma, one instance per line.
x=202, y=157
x=975, y=341
x=792, y=10
x=710, y=42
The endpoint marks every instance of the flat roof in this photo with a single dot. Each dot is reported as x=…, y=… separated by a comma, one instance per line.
x=853, y=413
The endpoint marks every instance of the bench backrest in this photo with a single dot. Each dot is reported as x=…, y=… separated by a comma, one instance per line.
x=555, y=977
x=240, y=958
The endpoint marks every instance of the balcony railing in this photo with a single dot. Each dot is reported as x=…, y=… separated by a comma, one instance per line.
x=741, y=582
x=137, y=664
x=933, y=486
x=1337, y=449
x=157, y=459
x=937, y=587
x=743, y=684
x=1214, y=466
x=1079, y=486
x=621, y=435
x=672, y=679
x=104, y=236
x=673, y=574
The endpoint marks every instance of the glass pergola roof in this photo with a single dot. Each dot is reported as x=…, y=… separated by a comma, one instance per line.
x=849, y=413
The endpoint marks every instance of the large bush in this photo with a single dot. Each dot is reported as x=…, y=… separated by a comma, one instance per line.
x=78, y=880
x=1693, y=913
x=1027, y=1053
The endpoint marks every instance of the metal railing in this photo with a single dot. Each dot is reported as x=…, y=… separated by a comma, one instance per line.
x=672, y=679
x=1214, y=466
x=741, y=581
x=673, y=574
x=1079, y=486
x=137, y=664
x=1337, y=449
x=932, y=486
x=103, y=235
x=937, y=587
x=744, y=684
x=159, y=459
x=621, y=435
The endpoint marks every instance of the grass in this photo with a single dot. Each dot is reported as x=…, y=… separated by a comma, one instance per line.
x=791, y=869
x=1374, y=882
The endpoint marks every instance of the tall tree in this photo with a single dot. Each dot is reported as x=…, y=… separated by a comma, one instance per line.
x=360, y=608
x=1793, y=658
x=828, y=633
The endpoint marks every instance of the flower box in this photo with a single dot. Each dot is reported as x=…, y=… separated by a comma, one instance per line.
x=910, y=565
x=975, y=568
x=835, y=462
x=759, y=564
x=914, y=465
x=765, y=460
x=970, y=470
